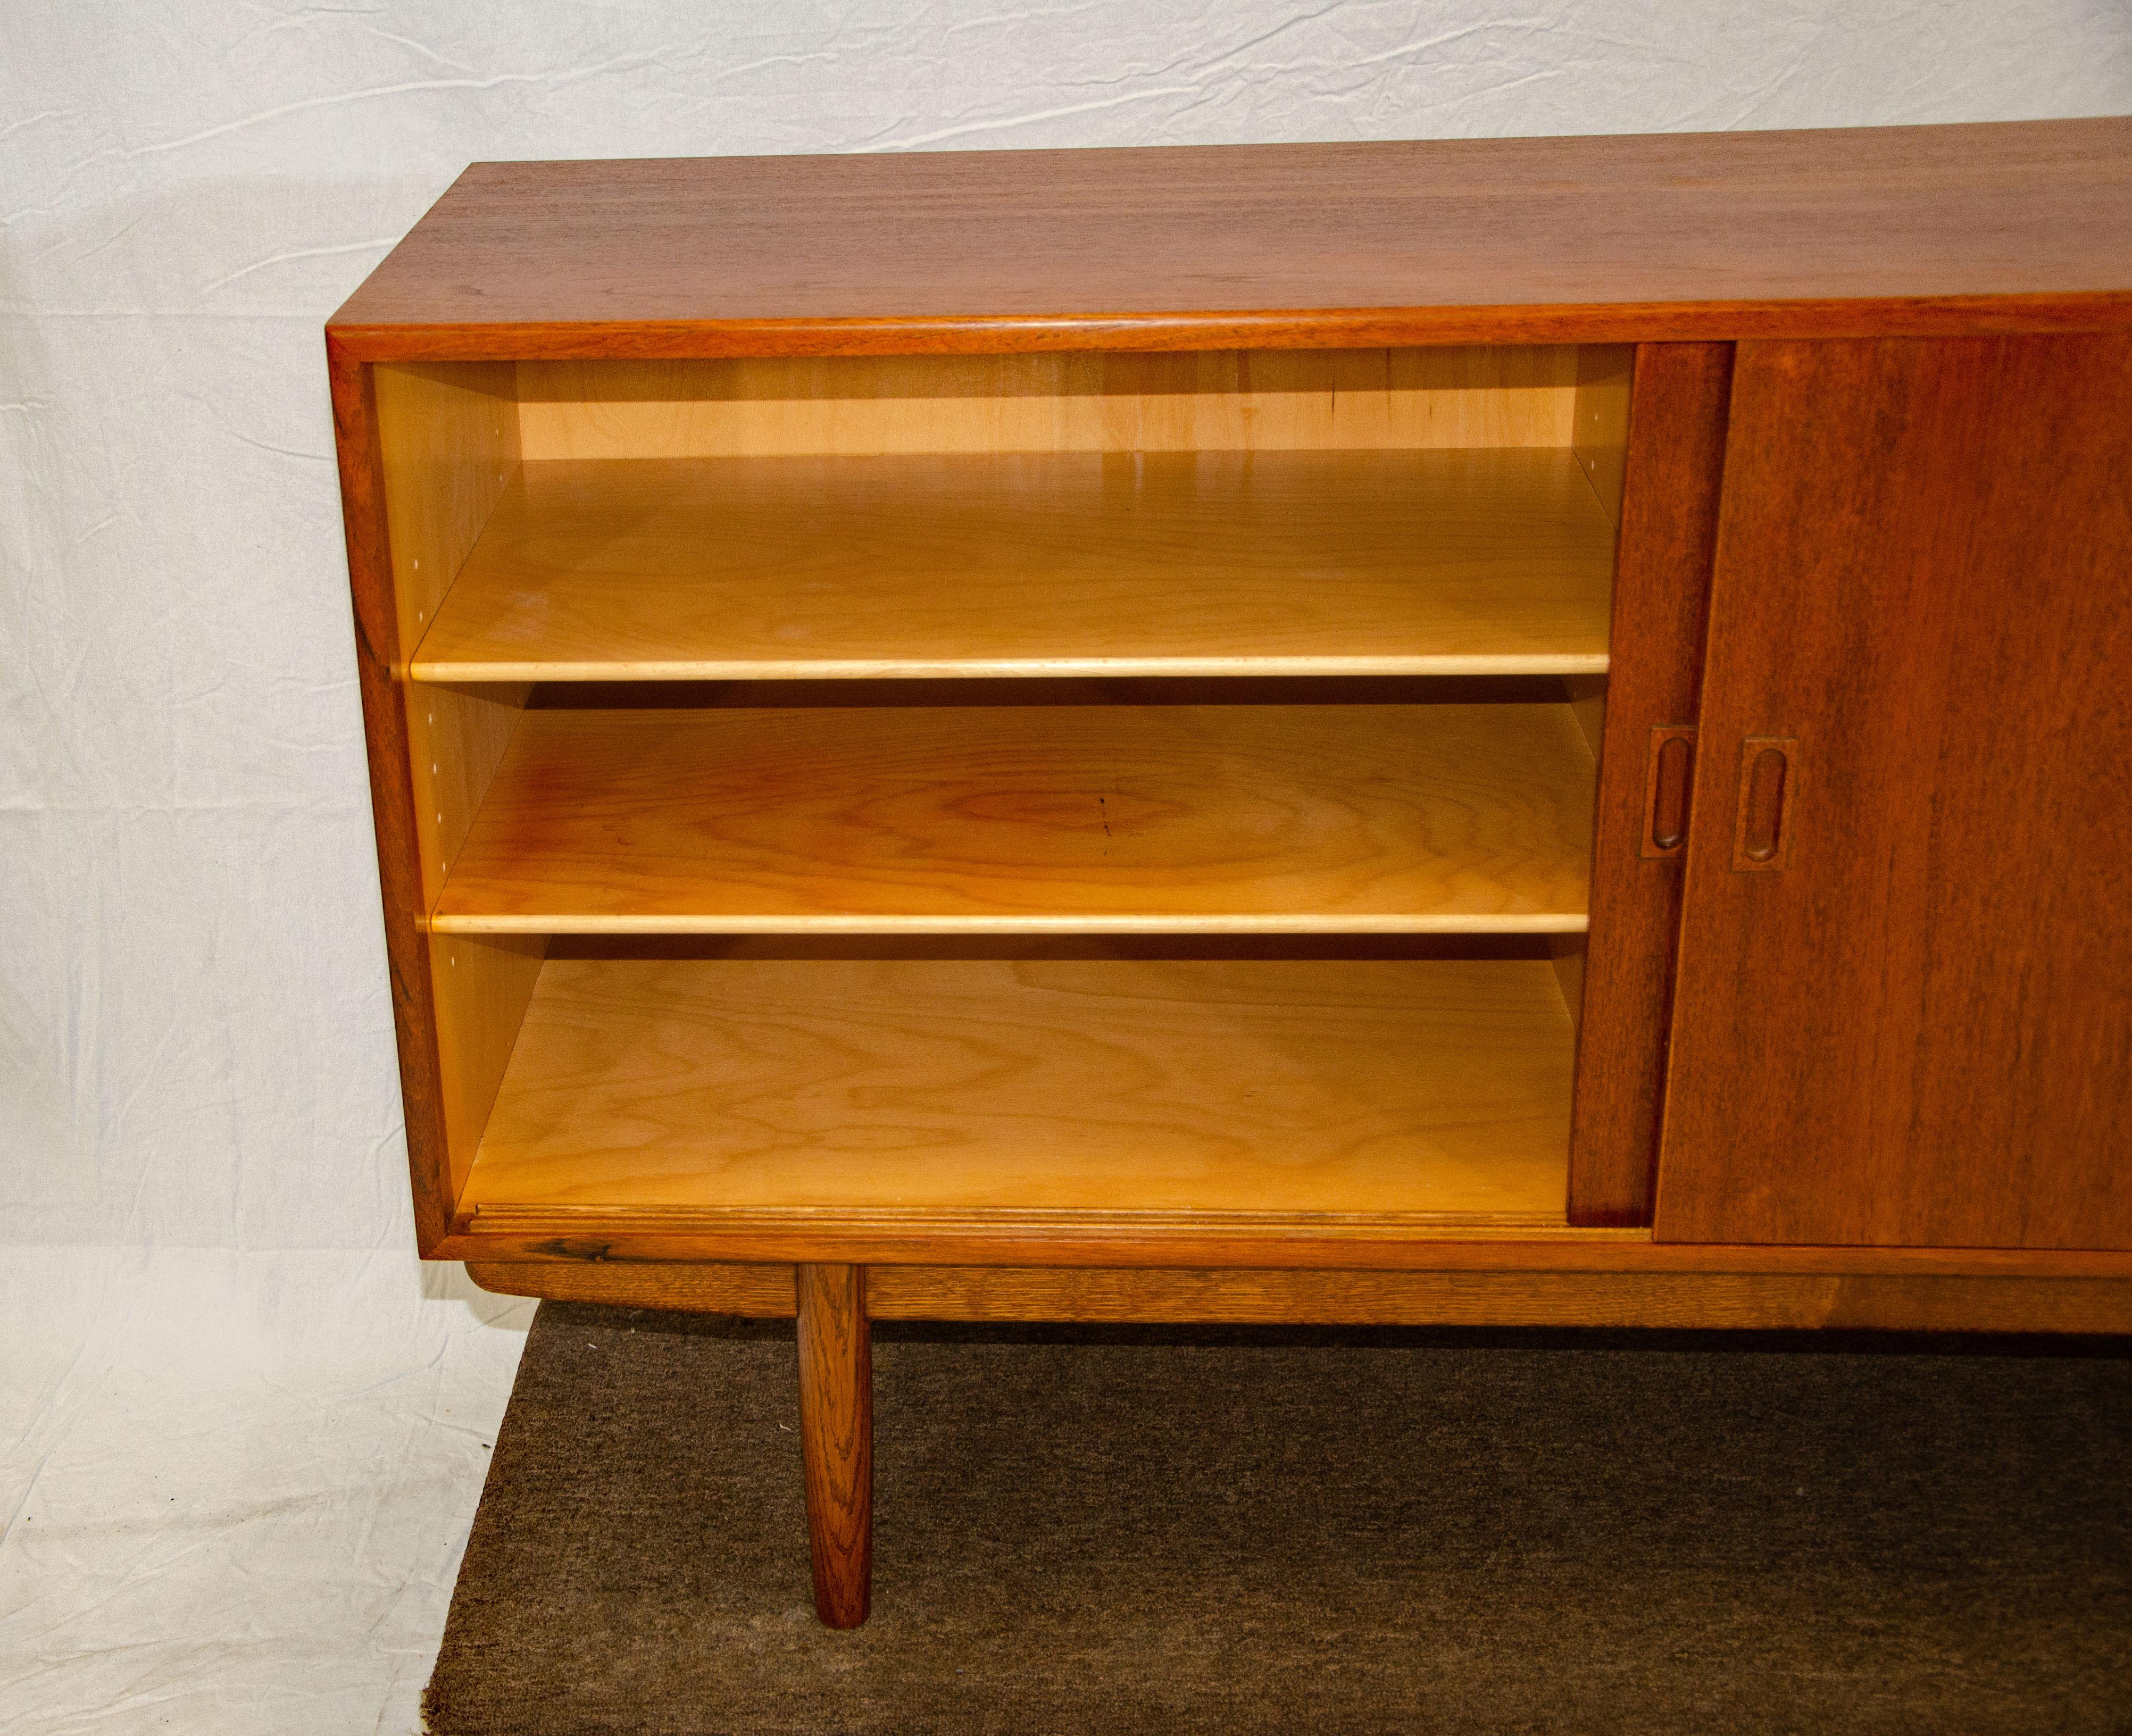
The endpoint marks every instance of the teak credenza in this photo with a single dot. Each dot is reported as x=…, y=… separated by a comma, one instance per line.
x=1533, y=731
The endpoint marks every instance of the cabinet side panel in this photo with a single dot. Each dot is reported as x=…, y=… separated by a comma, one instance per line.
x=1262, y=401
x=1567, y=952
x=1904, y=1008
x=379, y=652
x=1600, y=409
x=448, y=438
x=1673, y=463
x=482, y=988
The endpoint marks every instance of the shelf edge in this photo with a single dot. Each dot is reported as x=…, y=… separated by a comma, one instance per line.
x=444, y=672
x=1549, y=924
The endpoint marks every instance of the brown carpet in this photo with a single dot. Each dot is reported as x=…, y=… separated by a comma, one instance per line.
x=1213, y=1530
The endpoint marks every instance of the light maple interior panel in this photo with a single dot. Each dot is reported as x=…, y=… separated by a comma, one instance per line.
x=1494, y=561
x=1389, y=817
x=1431, y=1088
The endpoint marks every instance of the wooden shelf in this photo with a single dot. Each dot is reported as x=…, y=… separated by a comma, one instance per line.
x=867, y=1089
x=1239, y=818
x=1040, y=563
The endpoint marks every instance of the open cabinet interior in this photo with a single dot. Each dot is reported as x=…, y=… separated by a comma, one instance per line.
x=1088, y=785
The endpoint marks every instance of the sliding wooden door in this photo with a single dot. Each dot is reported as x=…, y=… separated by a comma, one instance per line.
x=1904, y=1012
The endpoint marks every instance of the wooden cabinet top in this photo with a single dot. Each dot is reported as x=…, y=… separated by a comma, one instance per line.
x=1916, y=230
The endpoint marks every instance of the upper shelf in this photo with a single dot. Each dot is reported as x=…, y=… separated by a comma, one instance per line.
x=1101, y=818
x=1856, y=233
x=1422, y=563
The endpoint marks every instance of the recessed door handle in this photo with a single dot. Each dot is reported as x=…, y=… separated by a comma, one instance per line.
x=1769, y=797
x=1668, y=776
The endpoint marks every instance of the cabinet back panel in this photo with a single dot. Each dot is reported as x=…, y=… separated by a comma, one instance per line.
x=1114, y=401
x=1905, y=1006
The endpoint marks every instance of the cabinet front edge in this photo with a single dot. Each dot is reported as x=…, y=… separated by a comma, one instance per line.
x=1926, y=316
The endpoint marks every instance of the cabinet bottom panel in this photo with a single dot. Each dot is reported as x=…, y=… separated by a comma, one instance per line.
x=1430, y=1091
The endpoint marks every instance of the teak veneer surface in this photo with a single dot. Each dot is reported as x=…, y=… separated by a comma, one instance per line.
x=1282, y=818
x=836, y=1437
x=1914, y=1025
x=1434, y=1088
x=1738, y=1300
x=1674, y=463
x=1643, y=238
x=1305, y=562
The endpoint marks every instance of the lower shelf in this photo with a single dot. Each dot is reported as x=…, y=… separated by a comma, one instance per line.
x=1428, y=1090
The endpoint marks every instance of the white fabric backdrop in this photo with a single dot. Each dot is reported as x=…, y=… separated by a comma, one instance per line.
x=242, y=1431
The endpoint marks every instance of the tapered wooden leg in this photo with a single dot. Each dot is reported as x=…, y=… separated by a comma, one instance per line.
x=836, y=1434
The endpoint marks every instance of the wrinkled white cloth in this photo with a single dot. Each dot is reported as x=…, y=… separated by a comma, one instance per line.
x=242, y=1432
x=236, y=1486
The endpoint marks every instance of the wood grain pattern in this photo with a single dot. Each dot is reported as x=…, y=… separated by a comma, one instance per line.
x=1920, y=1030
x=1672, y=471
x=448, y=438
x=590, y=1236
x=1566, y=951
x=1762, y=1301
x=1600, y=418
x=1974, y=943
x=450, y=446
x=751, y=1290
x=1587, y=698
x=1901, y=229
x=482, y=986
x=1240, y=819
x=1417, y=564
x=804, y=1090
x=392, y=799
x=836, y=1438
x=1236, y=400
x=1730, y=1301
